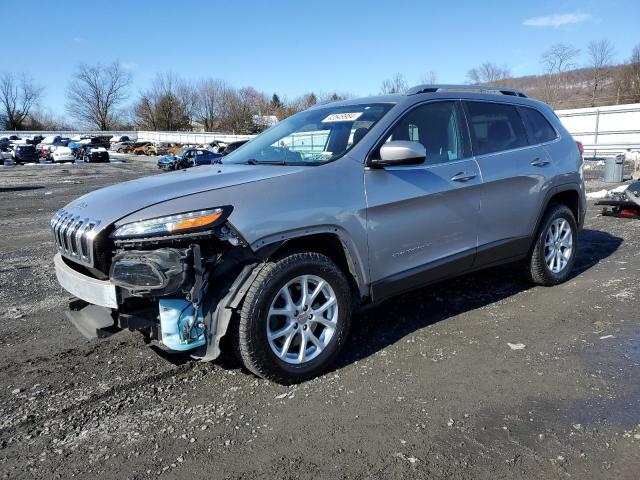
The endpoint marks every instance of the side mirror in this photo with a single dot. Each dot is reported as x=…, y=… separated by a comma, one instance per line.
x=401, y=152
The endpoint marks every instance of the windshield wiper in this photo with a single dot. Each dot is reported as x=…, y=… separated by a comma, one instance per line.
x=253, y=161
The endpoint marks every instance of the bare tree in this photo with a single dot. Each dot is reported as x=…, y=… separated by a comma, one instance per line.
x=556, y=62
x=210, y=94
x=166, y=105
x=188, y=95
x=395, y=84
x=431, y=77
x=301, y=103
x=488, y=73
x=634, y=75
x=18, y=94
x=626, y=82
x=601, y=54
x=96, y=93
x=46, y=120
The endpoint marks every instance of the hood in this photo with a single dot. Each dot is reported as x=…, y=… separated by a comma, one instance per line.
x=112, y=203
x=167, y=159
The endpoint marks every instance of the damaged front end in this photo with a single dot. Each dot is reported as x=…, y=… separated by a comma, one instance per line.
x=176, y=280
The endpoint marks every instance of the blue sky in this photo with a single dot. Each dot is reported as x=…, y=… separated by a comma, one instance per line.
x=293, y=47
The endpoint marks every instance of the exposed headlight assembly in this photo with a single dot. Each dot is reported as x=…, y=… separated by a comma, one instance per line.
x=173, y=224
x=159, y=272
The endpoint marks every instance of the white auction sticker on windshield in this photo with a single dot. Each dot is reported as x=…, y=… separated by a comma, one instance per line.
x=342, y=117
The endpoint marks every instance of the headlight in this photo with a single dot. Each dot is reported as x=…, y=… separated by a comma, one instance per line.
x=183, y=222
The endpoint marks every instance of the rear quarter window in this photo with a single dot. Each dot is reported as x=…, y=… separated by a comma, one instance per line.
x=495, y=127
x=538, y=127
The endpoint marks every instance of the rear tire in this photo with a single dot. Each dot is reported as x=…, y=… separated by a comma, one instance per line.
x=554, y=252
x=310, y=325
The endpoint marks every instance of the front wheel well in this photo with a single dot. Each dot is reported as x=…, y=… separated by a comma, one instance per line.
x=326, y=244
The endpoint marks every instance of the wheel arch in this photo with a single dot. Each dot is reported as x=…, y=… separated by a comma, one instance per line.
x=331, y=241
x=568, y=195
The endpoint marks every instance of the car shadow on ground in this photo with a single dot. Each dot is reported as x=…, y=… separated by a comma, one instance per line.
x=386, y=324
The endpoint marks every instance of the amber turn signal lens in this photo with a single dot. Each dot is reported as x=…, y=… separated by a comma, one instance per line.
x=196, y=222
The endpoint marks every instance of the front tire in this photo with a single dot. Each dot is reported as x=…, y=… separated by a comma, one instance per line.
x=554, y=253
x=295, y=318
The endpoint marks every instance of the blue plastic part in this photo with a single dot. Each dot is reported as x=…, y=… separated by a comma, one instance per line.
x=173, y=315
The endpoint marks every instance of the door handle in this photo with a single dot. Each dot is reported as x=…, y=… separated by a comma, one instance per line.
x=539, y=163
x=463, y=177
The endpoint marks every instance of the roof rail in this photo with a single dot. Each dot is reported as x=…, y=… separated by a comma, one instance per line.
x=514, y=92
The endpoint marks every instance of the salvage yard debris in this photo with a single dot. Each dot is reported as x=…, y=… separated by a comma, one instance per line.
x=623, y=201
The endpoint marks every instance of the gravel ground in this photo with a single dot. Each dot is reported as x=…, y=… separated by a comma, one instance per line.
x=478, y=377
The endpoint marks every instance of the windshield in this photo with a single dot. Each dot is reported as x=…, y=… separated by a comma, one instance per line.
x=312, y=137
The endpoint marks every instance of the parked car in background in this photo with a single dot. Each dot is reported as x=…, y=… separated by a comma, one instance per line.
x=140, y=150
x=97, y=142
x=119, y=139
x=49, y=144
x=160, y=148
x=189, y=157
x=63, y=154
x=24, y=153
x=5, y=143
x=35, y=140
x=78, y=147
x=232, y=146
x=133, y=146
x=216, y=146
x=175, y=149
x=15, y=140
x=94, y=154
x=49, y=140
x=120, y=146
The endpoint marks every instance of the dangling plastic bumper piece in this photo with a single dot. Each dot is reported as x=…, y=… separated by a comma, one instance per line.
x=175, y=314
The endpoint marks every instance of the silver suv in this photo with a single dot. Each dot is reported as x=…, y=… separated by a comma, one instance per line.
x=335, y=208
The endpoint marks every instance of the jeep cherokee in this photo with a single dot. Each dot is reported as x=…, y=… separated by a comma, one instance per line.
x=333, y=209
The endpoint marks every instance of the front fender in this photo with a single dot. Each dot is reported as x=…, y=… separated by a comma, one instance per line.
x=264, y=247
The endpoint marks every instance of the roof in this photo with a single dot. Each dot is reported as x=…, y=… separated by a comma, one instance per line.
x=429, y=88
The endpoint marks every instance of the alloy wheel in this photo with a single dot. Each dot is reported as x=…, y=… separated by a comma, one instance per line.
x=302, y=319
x=558, y=245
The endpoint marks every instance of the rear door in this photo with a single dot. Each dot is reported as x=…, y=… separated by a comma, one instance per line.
x=516, y=173
x=422, y=219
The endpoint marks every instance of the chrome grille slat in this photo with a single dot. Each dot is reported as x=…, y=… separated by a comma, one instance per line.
x=73, y=236
x=78, y=235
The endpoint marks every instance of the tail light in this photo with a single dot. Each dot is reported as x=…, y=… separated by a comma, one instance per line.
x=580, y=148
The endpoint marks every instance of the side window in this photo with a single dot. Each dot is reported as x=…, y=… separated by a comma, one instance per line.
x=436, y=126
x=538, y=127
x=496, y=127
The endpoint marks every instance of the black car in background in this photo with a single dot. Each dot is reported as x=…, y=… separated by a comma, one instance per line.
x=4, y=144
x=232, y=146
x=24, y=153
x=92, y=154
x=35, y=140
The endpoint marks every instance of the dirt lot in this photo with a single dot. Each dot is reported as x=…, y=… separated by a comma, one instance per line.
x=428, y=387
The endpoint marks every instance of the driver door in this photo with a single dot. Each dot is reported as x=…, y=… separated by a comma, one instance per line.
x=422, y=220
